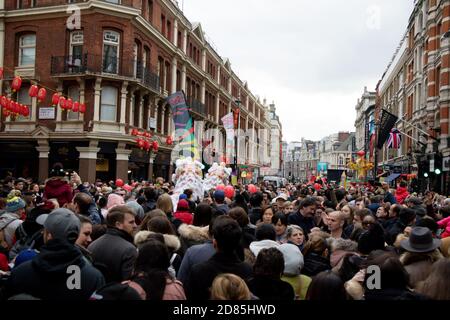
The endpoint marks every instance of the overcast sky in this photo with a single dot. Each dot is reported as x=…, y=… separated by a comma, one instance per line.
x=312, y=58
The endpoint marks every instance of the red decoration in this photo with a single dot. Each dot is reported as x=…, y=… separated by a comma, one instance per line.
x=69, y=104
x=169, y=140
x=26, y=111
x=62, y=102
x=3, y=101
x=317, y=186
x=5, y=112
x=134, y=132
x=361, y=153
x=140, y=143
x=1, y=73
x=146, y=145
x=55, y=99
x=252, y=188
x=16, y=83
x=119, y=182
x=33, y=92
x=229, y=192
x=155, y=146
x=76, y=106
x=42, y=94
x=82, y=108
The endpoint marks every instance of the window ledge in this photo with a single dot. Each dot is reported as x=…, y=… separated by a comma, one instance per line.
x=25, y=71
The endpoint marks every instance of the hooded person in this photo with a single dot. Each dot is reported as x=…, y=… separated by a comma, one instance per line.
x=401, y=193
x=265, y=238
x=183, y=212
x=57, y=186
x=293, y=264
x=11, y=220
x=60, y=266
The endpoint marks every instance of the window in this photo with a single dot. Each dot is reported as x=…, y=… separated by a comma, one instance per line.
x=76, y=50
x=150, y=10
x=74, y=94
x=27, y=50
x=163, y=25
x=169, y=31
x=179, y=40
x=111, y=52
x=113, y=1
x=25, y=99
x=108, y=110
x=135, y=59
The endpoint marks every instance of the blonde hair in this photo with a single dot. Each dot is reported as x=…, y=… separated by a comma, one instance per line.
x=164, y=203
x=228, y=286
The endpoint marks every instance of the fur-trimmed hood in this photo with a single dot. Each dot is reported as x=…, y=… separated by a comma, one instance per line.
x=194, y=233
x=409, y=258
x=171, y=241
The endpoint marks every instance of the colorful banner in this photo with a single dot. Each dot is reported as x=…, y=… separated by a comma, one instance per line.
x=228, y=124
x=395, y=139
x=387, y=122
x=184, y=126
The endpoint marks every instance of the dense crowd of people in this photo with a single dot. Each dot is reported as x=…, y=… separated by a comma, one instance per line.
x=73, y=240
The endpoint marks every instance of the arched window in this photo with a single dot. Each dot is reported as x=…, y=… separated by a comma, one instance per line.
x=108, y=110
x=111, y=46
x=27, y=50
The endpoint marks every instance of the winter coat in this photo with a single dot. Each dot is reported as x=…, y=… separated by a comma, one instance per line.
x=257, y=246
x=255, y=214
x=195, y=255
x=60, y=189
x=47, y=275
x=116, y=253
x=248, y=236
x=92, y=211
x=184, y=216
x=315, y=264
x=191, y=235
x=267, y=288
x=445, y=224
x=299, y=283
x=203, y=274
x=419, y=265
x=389, y=197
x=9, y=222
x=401, y=194
x=306, y=223
x=174, y=290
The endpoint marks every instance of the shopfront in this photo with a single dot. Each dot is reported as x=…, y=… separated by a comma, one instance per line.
x=20, y=159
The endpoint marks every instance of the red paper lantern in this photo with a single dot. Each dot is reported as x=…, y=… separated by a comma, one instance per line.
x=8, y=105
x=62, y=102
x=134, y=132
x=82, y=108
x=42, y=94
x=229, y=192
x=16, y=84
x=33, y=92
x=3, y=101
x=69, y=104
x=1, y=73
x=361, y=153
x=140, y=143
x=146, y=145
x=26, y=111
x=76, y=106
x=55, y=99
x=155, y=146
x=169, y=140
x=5, y=112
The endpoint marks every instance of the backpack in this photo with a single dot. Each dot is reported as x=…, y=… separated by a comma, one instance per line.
x=25, y=241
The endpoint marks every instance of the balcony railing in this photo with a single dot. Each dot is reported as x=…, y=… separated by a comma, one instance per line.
x=196, y=106
x=106, y=65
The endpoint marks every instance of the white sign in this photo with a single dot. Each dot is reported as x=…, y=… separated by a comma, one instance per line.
x=47, y=113
x=446, y=164
x=152, y=123
x=431, y=165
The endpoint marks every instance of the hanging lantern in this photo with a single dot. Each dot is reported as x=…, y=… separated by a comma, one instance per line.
x=140, y=143
x=55, y=99
x=155, y=146
x=134, y=132
x=16, y=84
x=1, y=73
x=26, y=111
x=147, y=145
x=8, y=104
x=76, y=106
x=20, y=109
x=3, y=101
x=69, y=104
x=15, y=107
x=42, y=94
x=169, y=140
x=62, y=102
x=33, y=92
x=147, y=134
x=5, y=112
x=82, y=108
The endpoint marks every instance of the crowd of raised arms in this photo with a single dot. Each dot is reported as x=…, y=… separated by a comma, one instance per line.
x=74, y=240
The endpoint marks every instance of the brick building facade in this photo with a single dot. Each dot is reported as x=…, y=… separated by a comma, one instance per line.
x=122, y=59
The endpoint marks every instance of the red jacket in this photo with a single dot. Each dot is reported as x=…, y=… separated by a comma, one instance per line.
x=184, y=216
x=59, y=189
x=401, y=194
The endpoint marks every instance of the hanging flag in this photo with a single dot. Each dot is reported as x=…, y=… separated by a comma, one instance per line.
x=387, y=122
x=395, y=139
x=228, y=124
x=184, y=126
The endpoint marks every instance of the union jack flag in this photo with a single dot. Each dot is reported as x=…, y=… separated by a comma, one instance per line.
x=395, y=139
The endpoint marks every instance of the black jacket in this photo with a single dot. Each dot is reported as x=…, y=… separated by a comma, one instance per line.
x=47, y=275
x=303, y=222
x=203, y=274
x=255, y=214
x=314, y=264
x=114, y=254
x=266, y=288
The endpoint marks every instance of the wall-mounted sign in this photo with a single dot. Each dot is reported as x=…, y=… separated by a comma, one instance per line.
x=152, y=123
x=47, y=113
